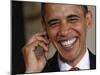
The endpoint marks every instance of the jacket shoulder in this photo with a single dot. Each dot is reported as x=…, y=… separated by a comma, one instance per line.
x=92, y=60
x=52, y=65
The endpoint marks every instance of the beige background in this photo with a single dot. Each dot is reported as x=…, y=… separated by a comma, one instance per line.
x=32, y=24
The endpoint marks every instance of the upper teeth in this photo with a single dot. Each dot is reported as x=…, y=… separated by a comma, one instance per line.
x=68, y=42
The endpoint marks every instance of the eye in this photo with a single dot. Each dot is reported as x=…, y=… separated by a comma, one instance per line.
x=73, y=20
x=53, y=22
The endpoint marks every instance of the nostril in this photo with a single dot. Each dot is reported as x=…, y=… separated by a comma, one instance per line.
x=64, y=33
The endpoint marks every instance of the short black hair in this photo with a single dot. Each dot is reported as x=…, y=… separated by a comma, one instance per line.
x=84, y=8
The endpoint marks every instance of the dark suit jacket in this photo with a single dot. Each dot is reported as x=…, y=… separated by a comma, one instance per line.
x=52, y=64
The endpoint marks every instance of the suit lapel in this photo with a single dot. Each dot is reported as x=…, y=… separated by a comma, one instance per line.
x=92, y=60
x=52, y=65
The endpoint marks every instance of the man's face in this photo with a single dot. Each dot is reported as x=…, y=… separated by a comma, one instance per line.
x=66, y=26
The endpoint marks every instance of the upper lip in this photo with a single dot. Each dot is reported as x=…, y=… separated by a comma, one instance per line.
x=66, y=39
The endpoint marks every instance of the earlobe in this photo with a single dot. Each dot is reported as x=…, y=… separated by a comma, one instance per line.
x=89, y=19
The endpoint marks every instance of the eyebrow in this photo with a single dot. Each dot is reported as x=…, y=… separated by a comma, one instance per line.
x=52, y=20
x=72, y=16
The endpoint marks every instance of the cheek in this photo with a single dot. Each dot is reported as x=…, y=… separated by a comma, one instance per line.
x=81, y=28
x=53, y=33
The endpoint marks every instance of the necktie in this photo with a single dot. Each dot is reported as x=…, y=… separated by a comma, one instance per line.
x=74, y=69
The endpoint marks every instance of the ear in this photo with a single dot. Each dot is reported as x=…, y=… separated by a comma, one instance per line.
x=45, y=29
x=43, y=24
x=89, y=20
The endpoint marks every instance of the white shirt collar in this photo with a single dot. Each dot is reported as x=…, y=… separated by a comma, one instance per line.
x=83, y=64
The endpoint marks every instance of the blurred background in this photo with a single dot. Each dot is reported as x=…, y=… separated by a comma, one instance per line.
x=26, y=21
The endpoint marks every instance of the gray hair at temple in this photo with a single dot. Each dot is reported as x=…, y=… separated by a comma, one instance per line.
x=84, y=8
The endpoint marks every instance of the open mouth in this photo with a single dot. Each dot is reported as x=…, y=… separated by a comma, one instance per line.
x=68, y=43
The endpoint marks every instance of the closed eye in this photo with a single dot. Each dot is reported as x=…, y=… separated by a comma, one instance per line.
x=73, y=18
x=53, y=22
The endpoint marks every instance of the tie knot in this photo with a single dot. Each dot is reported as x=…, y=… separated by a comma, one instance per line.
x=74, y=69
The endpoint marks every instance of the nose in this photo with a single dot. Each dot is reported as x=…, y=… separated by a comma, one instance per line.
x=64, y=29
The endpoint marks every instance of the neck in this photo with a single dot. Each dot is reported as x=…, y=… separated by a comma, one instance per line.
x=75, y=61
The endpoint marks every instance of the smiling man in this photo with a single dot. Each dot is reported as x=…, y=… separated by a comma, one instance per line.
x=66, y=27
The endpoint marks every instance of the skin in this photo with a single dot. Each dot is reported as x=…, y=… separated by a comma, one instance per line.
x=62, y=23
x=33, y=62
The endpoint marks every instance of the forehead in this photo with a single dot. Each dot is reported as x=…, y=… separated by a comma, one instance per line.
x=51, y=5
x=55, y=9
x=56, y=6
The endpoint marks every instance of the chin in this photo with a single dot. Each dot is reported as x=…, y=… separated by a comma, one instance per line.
x=69, y=50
